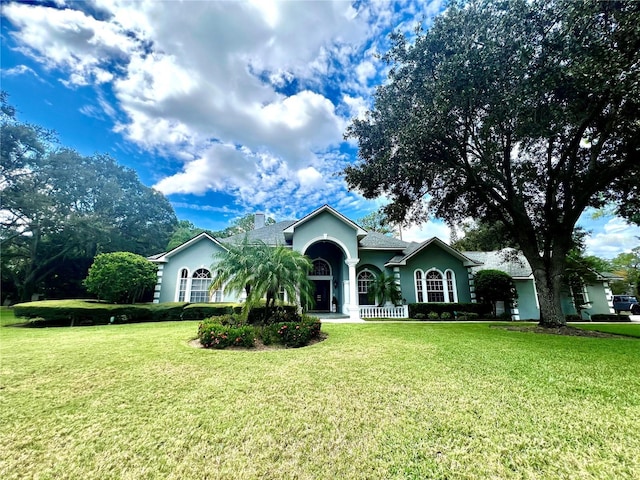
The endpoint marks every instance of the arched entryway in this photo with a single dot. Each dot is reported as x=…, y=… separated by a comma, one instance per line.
x=328, y=276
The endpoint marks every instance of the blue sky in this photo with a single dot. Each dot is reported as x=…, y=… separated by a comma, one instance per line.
x=226, y=107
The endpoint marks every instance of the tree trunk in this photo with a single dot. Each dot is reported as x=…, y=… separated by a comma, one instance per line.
x=549, y=285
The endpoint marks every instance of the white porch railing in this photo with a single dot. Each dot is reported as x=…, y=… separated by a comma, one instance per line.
x=401, y=311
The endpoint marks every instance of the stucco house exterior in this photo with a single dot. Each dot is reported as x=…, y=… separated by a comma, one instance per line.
x=346, y=258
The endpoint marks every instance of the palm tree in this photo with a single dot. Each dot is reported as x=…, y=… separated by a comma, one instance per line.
x=263, y=272
x=385, y=289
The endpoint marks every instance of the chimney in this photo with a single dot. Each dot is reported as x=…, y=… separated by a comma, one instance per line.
x=258, y=221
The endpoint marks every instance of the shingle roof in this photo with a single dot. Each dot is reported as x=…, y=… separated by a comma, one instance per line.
x=508, y=260
x=378, y=240
x=271, y=234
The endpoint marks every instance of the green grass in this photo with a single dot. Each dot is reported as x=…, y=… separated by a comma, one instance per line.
x=628, y=329
x=373, y=401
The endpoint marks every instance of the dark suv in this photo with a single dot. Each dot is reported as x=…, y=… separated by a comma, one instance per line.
x=625, y=303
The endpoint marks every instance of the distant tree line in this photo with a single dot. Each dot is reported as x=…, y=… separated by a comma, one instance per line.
x=60, y=209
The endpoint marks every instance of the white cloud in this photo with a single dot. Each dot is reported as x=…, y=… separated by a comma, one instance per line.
x=252, y=96
x=432, y=228
x=617, y=237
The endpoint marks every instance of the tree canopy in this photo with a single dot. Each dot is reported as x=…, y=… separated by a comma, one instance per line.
x=61, y=208
x=377, y=222
x=526, y=112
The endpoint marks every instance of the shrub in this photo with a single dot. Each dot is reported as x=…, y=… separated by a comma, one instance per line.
x=292, y=334
x=200, y=311
x=467, y=316
x=433, y=316
x=120, y=277
x=445, y=316
x=481, y=309
x=494, y=286
x=266, y=316
x=215, y=335
x=572, y=318
x=419, y=316
x=609, y=317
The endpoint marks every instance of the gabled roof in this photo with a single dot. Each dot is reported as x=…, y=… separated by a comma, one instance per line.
x=360, y=232
x=413, y=249
x=163, y=257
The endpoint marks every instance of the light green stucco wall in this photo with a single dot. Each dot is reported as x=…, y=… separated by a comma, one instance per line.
x=433, y=256
x=334, y=228
x=375, y=258
x=527, y=307
x=197, y=255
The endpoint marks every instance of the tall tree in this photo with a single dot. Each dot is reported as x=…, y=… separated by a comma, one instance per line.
x=521, y=111
x=484, y=236
x=377, y=222
x=242, y=225
x=59, y=206
x=627, y=265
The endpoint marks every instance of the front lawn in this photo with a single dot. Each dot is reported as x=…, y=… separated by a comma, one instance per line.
x=371, y=401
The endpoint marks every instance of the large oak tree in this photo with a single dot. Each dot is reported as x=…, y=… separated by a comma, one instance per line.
x=522, y=111
x=59, y=209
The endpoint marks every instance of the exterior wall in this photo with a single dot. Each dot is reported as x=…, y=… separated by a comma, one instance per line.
x=197, y=255
x=528, y=308
x=375, y=258
x=434, y=257
x=326, y=224
x=599, y=297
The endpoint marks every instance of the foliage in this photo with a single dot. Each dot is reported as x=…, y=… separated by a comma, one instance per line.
x=483, y=236
x=263, y=271
x=494, y=286
x=120, y=277
x=229, y=330
x=263, y=315
x=627, y=265
x=452, y=309
x=183, y=232
x=525, y=112
x=292, y=334
x=609, y=317
x=61, y=208
x=200, y=311
x=215, y=335
x=377, y=222
x=385, y=289
x=64, y=313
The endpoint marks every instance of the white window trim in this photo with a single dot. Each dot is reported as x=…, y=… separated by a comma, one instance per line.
x=373, y=274
x=445, y=287
x=321, y=277
x=187, y=287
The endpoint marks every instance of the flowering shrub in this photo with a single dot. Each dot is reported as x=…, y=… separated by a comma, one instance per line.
x=298, y=334
x=225, y=331
x=213, y=334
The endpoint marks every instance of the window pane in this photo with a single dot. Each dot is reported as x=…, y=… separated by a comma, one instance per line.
x=435, y=288
x=419, y=289
x=200, y=286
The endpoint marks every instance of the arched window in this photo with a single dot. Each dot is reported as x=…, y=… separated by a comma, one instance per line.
x=452, y=294
x=419, y=287
x=182, y=285
x=435, y=287
x=200, y=286
x=365, y=278
x=320, y=268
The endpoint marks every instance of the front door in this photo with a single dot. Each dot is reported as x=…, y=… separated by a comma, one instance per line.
x=322, y=294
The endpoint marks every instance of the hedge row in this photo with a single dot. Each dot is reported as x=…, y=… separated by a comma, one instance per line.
x=64, y=313
x=482, y=310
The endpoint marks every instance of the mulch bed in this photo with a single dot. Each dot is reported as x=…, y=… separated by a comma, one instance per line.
x=566, y=330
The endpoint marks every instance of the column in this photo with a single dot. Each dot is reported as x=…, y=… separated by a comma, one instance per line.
x=354, y=311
